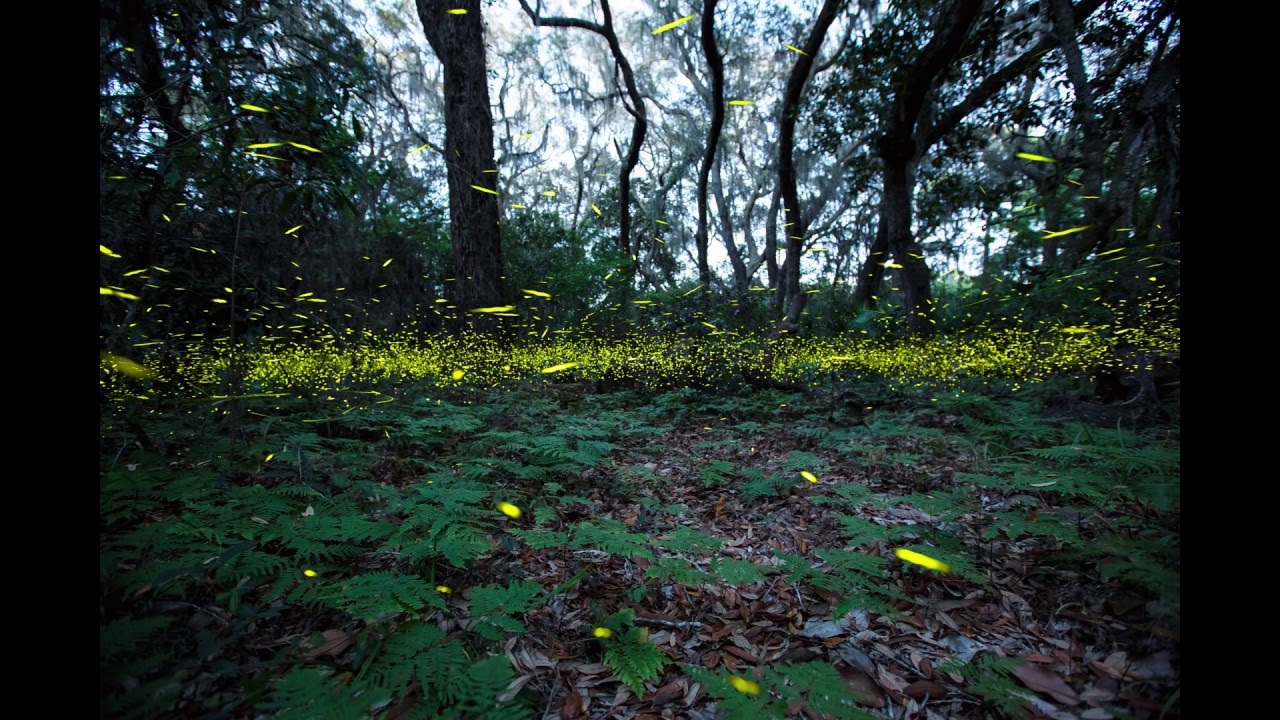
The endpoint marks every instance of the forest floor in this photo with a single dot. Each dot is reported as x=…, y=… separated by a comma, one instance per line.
x=262, y=560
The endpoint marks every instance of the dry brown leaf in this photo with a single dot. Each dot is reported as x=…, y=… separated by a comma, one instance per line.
x=514, y=688
x=1096, y=695
x=920, y=689
x=1113, y=666
x=573, y=707
x=863, y=687
x=673, y=690
x=890, y=681
x=1043, y=680
x=745, y=655
x=335, y=642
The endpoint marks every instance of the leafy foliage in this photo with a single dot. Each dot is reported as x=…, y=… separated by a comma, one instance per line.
x=380, y=595
x=991, y=677
x=394, y=551
x=494, y=609
x=629, y=653
x=612, y=537
x=814, y=685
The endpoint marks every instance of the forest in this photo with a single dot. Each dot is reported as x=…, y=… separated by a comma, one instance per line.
x=639, y=359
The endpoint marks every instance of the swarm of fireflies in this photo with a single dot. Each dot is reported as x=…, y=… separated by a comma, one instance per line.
x=125, y=366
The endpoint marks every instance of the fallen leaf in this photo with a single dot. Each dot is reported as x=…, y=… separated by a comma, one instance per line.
x=1043, y=680
x=514, y=688
x=920, y=689
x=573, y=706
x=816, y=628
x=855, y=657
x=1096, y=695
x=863, y=687
x=669, y=692
x=335, y=642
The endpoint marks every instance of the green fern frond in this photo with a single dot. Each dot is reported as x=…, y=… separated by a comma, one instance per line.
x=684, y=540
x=634, y=659
x=314, y=694
x=541, y=539
x=737, y=572
x=680, y=571
x=777, y=689
x=120, y=637
x=860, y=532
x=374, y=596
x=716, y=472
x=798, y=460
x=612, y=537
x=493, y=608
x=822, y=690
x=992, y=678
x=1016, y=524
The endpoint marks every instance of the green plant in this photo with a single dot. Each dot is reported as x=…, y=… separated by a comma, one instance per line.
x=992, y=678
x=628, y=652
x=777, y=691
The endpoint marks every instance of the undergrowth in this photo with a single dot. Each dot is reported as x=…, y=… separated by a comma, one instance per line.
x=344, y=555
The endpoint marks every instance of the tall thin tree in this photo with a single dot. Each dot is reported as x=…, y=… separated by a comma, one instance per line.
x=457, y=38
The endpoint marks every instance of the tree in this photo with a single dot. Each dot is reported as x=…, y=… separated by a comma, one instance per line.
x=912, y=124
x=715, y=65
x=458, y=41
x=793, y=300
x=636, y=108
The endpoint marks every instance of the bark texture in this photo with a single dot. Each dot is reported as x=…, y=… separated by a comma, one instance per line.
x=458, y=41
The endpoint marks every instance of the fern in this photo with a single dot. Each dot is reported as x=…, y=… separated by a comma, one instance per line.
x=612, y=537
x=1016, y=524
x=541, y=539
x=493, y=608
x=418, y=651
x=635, y=660
x=857, y=577
x=852, y=495
x=477, y=692
x=117, y=638
x=677, y=570
x=314, y=694
x=798, y=460
x=859, y=532
x=629, y=653
x=814, y=685
x=759, y=485
x=716, y=472
x=737, y=572
x=685, y=540
x=375, y=596
x=992, y=678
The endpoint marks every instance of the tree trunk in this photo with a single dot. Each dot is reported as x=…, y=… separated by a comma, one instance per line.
x=793, y=301
x=458, y=41
x=715, y=66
